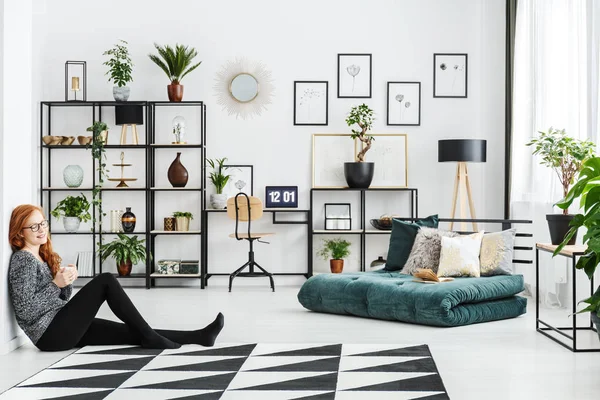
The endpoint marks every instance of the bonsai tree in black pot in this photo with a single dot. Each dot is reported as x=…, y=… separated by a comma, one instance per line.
x=359, y=174
x=565, y=155
x=587, y=189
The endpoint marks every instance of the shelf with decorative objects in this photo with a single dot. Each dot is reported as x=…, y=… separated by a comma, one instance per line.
x=129, y=115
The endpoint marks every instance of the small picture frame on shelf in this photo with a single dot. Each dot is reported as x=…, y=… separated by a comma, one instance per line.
x=241, y=179
x=404, y=103
x=354, y=76
x=450, y=75
x=311, y=102
x=338, y=216
x=75, y=81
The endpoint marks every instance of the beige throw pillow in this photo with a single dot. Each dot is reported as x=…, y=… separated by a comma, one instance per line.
x=460, y=255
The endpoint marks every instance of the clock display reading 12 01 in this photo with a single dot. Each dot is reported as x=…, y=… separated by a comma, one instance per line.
x=281, y=197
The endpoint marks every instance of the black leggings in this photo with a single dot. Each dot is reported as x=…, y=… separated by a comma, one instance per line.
x=76, y=325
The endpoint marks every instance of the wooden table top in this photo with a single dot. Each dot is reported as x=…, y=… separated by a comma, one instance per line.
x=570, y=251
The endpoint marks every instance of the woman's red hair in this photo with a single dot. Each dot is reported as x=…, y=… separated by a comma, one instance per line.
x=17, y=223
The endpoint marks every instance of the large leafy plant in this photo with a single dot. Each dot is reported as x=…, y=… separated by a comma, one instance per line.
x=123, y=249
x=363, y=117
x=176, y=62
x=119, y=64
x=73, y=206
x=335, y=249
x=587, y=189
x=563, y=154
x=217, y=177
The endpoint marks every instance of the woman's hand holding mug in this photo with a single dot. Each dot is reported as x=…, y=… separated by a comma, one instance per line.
x=65, y=276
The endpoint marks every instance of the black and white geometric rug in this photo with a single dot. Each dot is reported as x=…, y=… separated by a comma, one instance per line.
x=240, y=371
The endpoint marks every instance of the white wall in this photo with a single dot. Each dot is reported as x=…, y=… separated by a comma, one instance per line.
x=296, y=41
x=17, y=165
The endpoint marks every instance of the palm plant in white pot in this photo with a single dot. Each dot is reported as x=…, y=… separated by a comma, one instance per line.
x=218, y=200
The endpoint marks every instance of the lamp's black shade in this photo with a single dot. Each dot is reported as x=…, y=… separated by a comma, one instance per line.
x=129, y=114
x=471, y=150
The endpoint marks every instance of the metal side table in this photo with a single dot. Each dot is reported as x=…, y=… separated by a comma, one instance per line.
x=571, y=252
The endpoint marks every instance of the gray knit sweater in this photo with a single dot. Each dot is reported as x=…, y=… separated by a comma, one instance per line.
x=35, y=298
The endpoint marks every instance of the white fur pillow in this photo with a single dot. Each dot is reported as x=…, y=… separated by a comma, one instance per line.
x=460, y=255
x=425, y=252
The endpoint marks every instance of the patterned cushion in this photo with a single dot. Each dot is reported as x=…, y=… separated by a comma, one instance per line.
x=497, y=253
x=460, y=255
x=425, y=252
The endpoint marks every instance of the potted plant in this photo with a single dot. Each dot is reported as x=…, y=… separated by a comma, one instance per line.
x=218, y=200
x=565, y=155
x=335, y=250
x=99, y=139
x=182, y=220
x=359, y=174
x=587, y=189
x=74, y=209
x=176, y=63
x=127, y=251
x=119, y=68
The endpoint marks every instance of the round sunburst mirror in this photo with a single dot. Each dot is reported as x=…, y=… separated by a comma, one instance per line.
x=244, y=88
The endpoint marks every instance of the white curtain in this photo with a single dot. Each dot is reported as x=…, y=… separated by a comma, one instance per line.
x=555, y=85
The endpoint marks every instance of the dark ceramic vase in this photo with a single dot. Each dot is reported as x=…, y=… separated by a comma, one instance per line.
x=175, y=92
x=124, y=268
x=178, y=175
x=128, y=220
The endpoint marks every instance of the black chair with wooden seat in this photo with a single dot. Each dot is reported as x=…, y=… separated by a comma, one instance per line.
x=244, y=208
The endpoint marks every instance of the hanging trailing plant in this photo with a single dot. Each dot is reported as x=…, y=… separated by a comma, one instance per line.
x=99, y=155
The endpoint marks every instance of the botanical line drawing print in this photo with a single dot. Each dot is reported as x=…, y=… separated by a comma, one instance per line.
x=239, y=184
x=406, y=106
x=399, y=98
x=457, y=69
x=353, y=70
x=307, y=96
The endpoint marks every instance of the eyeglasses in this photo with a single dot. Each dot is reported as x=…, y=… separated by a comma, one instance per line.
x=36, y=227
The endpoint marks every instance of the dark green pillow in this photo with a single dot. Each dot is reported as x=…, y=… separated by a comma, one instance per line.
x=402, y=239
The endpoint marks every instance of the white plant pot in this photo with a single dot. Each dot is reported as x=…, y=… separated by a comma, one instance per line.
x=218, y=201
x=182, y=224
x=71, y=224
x=121, y=93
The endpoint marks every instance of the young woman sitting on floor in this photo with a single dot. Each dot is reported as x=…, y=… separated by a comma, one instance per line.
x=40, y=289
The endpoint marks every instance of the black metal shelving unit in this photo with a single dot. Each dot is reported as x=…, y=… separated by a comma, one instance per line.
x=149, y=148
x=362, y=231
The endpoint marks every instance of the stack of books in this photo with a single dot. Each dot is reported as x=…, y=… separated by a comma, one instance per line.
x=85, y=264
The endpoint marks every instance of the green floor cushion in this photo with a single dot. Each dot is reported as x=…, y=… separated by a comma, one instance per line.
x=395, y=296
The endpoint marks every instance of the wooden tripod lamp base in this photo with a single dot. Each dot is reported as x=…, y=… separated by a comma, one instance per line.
x=134, y=134
x=462, y=151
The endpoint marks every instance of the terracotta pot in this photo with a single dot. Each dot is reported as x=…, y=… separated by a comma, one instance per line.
x=177, y=174
x=124, y=268
x=175, y=92
x=336, y=266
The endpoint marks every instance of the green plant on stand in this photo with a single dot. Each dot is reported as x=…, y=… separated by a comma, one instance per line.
x=182, y=220
x=359, y=174
x=565, y=155
x=335, y=250
x=120, y=68
x=587, y=189
x=219, y=179
x=99, y=139
x=176, y=63
x=127, y=251
x=74, y=209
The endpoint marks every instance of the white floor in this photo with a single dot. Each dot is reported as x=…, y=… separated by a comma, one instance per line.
x=498, y=360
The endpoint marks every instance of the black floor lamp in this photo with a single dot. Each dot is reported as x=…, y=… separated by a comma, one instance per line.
x=462, y=151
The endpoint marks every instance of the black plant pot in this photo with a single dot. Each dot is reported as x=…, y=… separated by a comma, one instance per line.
x=359, y=174
x=559, y=226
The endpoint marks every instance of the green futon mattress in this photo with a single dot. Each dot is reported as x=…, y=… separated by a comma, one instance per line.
x=395, y=296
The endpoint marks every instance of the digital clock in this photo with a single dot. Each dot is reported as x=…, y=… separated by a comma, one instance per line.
x=281, y=197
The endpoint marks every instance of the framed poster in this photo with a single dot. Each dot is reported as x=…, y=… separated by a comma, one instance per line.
x=241, y=179
x=311, y=102
x=404, y=103
x=389, y=152
x=450, y=75
x=354, y=76
x=330, y=152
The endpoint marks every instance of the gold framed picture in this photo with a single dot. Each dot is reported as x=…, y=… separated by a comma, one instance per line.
x=389, y=152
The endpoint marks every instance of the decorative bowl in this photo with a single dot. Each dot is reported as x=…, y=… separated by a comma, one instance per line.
x=47, y=139
x=84, y=140
x=382, y=224
x=55, y=140
x=67, y=140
